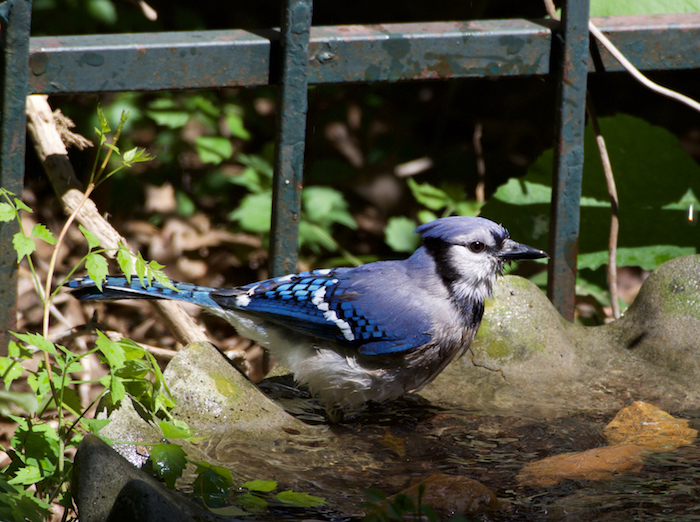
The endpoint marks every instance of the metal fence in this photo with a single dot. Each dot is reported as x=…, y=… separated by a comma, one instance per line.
x=299, y=54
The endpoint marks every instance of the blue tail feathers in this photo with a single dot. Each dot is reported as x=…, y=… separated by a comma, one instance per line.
x=118, y=287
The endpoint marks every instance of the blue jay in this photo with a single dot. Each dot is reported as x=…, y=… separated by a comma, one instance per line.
x=374, y=332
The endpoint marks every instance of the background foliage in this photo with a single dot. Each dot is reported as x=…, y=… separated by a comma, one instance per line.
x=202, y=206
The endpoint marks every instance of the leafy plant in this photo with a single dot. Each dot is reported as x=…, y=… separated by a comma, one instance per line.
x=51, y=420
x=654, y=225
x=448, y=200
x=37, y=475
x=322, y=207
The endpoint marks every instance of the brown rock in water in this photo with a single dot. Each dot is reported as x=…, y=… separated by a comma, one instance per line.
x=454, y=495
x=594, y=464
x=646, y=425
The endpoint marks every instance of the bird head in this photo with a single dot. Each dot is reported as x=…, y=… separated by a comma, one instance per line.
x=470, y=252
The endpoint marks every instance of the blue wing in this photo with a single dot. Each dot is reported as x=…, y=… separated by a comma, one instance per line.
x=339, y=305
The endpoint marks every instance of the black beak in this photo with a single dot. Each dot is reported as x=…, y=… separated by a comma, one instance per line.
x=512, y=250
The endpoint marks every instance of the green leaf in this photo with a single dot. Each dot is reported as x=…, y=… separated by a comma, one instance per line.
x=165, y=112
x=7, y=212
x=15, y=349
x=261, y=486
x=171, y=119
x=113, y=352
x=300, y=499
x=116, y=389
x=22, y=206
x=233, y=116
x=10, y=370
x=168, y=462
x=22, y=245
x=39, y=383
x=426, y=216
x=27, y=475
x=104, y=124
x=125, y=261
x=38, y=444
x=112, y=147
x=650, y=200
x=399, y=234
x=249, y=179
x=97, y=268
x=214, y=487
x=253, y=214
x=428, y=195
x=315, y=236
x=252, y=503
x=92, y=240
x=136, y=155
x=631, y=7
x=37, y=340
x=324, y=204
x=95, y=425
x=103, y=11
x=213, y=149
x=175, y=429
x=142, y=270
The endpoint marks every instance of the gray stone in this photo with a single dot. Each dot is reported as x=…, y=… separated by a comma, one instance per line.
x=107, y=487
x=527, y=358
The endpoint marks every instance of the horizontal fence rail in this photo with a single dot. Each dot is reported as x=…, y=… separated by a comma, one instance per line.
x=386, y=52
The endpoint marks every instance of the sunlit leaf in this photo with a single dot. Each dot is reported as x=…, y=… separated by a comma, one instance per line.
x=300, y=499
x=253, y=214
x=234, y=121
x=104, y=124
x=173, y=119
x=116, y=388
x=113, y=352
x=39, y=383
x=97, y=268
x=125, y=261
x=399, y=234
x=428, y=195
x=262, y=486
x=21, y=205
x=27, y=475
x=213, y=149
x=95, y=425
x=168, y=462
x=7, y=213
x=10, y=370
x=175, y=429
x=22, y=245
x=252, y=503
x=92, y=240
x=37, y=340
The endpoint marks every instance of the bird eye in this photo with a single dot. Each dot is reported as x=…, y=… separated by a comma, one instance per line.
x=477, y=247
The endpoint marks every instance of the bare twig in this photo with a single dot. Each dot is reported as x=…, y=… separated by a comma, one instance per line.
x=480, y=192
x=631, y=69
x=54, y=158
x=614, y=208
x=638, y=75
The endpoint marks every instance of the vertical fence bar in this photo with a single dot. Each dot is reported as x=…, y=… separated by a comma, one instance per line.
x=292, y=102
x=15, y=25
x=568, y=156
